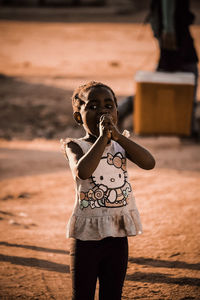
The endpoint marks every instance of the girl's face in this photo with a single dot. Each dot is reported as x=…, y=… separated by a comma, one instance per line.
x=98, y=101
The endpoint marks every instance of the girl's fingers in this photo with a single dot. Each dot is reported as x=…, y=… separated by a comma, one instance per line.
x=106, y=122
x=105, y=117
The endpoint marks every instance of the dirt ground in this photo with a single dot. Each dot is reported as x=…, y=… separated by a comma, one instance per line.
x=41, y=62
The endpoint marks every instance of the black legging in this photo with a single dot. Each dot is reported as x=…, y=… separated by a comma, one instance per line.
x=105, y=259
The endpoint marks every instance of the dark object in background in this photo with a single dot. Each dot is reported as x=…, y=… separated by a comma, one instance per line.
x=42, y=3
x=177, y=50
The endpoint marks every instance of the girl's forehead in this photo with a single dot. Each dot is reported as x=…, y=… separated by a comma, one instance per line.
x=99, y=91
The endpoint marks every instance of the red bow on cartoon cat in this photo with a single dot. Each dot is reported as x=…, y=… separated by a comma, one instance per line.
x=117, y=160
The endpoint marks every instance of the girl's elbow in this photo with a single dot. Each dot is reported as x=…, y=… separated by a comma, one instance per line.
x=151, y=164
x=81, y=172
x=82, y=175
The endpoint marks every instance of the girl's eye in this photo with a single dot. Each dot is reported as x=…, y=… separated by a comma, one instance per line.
x=101, y=177
x=120, y=175
x=93, y=107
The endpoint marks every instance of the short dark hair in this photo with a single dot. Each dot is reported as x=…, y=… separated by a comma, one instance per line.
x=78, y=98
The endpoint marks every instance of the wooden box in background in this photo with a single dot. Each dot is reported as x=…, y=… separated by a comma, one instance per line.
x=163, y=103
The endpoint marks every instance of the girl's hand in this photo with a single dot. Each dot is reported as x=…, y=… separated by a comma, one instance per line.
x=108, y=128
x=115, y=132
x=105, y=126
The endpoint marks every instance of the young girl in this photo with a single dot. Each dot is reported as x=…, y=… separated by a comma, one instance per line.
x=105, y=213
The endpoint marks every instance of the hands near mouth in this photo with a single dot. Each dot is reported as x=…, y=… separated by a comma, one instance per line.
x=107, y=128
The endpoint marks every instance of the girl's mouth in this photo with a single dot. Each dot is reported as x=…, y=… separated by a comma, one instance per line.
x=99, y=119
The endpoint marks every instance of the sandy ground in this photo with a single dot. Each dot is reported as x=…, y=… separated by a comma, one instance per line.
x=40, y=65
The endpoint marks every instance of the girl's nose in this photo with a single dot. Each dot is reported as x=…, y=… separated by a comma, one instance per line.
x=103, y=110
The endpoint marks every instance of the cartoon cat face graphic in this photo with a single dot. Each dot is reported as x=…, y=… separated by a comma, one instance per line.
x=109, y=185
x=109, y=172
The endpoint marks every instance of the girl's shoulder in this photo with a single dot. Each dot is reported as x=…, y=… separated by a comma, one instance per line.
x=67, y=141
x=74, y=145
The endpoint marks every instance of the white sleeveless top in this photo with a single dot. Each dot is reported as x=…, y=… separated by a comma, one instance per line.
x=104, y=204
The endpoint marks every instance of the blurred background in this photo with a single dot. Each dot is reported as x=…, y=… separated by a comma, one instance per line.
x=50, y=47
x=47, y=49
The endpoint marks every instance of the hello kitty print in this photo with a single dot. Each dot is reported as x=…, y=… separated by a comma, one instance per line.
x=109, y=185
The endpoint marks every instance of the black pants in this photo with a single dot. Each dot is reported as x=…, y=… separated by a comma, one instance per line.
x=106, y=260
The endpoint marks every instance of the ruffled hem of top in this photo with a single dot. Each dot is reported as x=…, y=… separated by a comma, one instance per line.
x=99, y=227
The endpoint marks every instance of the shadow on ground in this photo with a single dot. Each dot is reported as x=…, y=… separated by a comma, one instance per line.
x=162, y=278
x=30, y=110
x=35, y=263
x=157, y=263
x=35, y=248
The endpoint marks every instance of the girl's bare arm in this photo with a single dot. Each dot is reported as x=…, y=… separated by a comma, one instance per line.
x=136, y=153
x=84, y=165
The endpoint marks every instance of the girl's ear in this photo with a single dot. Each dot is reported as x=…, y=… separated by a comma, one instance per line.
x=78, y=118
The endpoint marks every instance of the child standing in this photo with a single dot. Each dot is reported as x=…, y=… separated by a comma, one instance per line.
x=105, y=213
